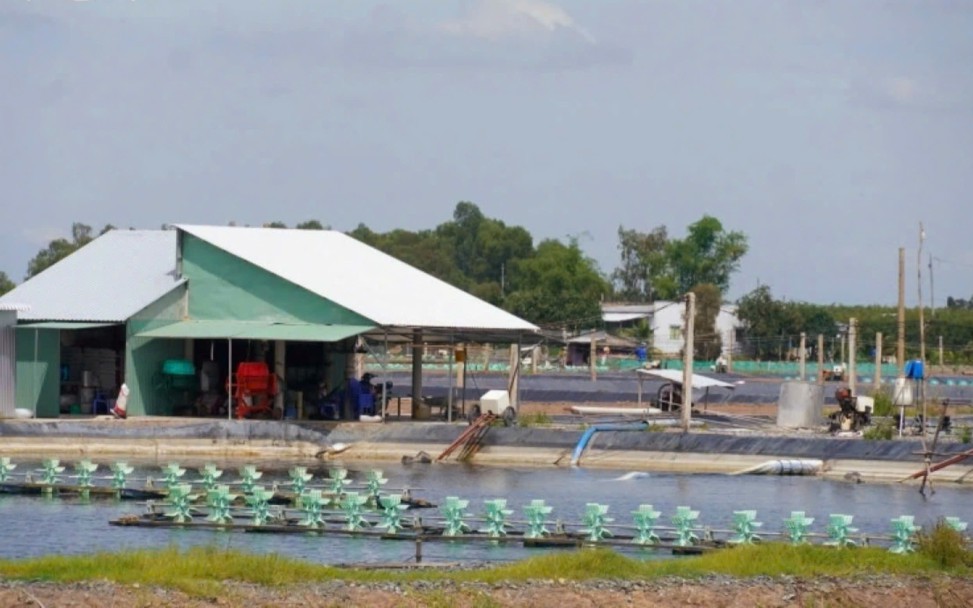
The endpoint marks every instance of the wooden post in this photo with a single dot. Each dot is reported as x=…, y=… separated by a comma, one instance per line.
x=280, y=370
x=729, y=351
x=877, y=382
x=803, y=357
x=593, y=358
x=416, y=373
x=940, y=351
x=513, y=378
x=820, y=358
x=852, y=352
x=687, y=372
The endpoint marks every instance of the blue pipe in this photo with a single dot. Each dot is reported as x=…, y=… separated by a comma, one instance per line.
x=588, y=434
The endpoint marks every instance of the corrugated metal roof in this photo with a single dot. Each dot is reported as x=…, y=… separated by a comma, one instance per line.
x=361, y=278
x=622, y=317
x=13, y=307
x=109, y=279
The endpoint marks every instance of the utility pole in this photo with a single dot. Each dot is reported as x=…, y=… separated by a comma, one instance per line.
x=820, y=358
x=932, y=292
x=940, y=351
x=803, y=356
x=852, y=338
x=900, y=328
x=922, y=340
x=877, y=382
x=922, y=324
x=687, y=371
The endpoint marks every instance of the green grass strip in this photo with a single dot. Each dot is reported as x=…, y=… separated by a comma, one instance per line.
x=203, y=571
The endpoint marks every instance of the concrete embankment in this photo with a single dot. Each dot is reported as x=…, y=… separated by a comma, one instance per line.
x=702, y=452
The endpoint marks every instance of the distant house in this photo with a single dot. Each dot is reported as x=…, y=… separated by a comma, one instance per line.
x=579, y=347
x=666, y=321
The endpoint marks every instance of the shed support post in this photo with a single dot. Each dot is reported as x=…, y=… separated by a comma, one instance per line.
x=416, y=372
x=280, y=369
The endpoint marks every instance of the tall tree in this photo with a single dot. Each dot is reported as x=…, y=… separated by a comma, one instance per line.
x=708, y=254
x=275, y=225
x=5, y=283
x=708, y=344
x=58, y=249
x=642, y=275
x=311, y=225
x=558, y=285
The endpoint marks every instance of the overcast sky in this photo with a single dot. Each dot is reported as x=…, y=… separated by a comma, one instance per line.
x=824, y=130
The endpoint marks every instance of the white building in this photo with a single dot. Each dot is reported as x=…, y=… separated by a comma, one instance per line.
x=667, y=322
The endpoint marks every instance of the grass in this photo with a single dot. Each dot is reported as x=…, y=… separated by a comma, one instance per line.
x=883, y=429
x=534, y=419
x=202, y=572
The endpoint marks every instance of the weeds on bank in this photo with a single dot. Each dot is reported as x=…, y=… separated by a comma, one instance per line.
x=945, y=546
x=203, y=571
x=882, y=430
x=534, y=419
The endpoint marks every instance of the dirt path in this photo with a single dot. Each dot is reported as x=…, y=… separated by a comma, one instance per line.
x=869, y=592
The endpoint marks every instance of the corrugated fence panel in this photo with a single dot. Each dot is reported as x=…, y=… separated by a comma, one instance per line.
x=8, y=362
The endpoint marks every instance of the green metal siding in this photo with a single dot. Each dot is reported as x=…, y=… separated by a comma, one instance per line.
x=225, y=287
x=38, y=386
x=144, y=356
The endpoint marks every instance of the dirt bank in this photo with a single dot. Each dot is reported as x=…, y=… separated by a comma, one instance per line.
x=875, y=591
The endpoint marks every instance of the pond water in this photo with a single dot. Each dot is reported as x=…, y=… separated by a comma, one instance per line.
x=35, y=526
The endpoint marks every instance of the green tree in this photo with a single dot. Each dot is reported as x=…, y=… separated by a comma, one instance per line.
x=58, y=249
x=483, y=247
x=642, y=275
x=707, y=342
x=708, y=254
x=5, y=283
x=275, y=225
x=311, y=225
x=558, y=285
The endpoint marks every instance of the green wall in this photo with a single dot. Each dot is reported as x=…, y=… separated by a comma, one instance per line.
x=144, y=356
x=223, y=286
x=39, y=374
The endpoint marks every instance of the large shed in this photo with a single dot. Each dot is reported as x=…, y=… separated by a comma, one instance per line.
x=123, y=307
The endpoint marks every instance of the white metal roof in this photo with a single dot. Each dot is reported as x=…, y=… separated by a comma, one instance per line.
x=675, y=375
x=361, y=278
x=622, y=317
x=109, y=279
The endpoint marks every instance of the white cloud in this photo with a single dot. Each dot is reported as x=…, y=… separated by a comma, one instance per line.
x=498, y=19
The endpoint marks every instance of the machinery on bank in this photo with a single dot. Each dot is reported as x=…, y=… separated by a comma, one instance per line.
x=855, y=413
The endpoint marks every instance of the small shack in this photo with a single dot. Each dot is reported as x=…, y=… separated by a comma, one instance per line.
x=173, y=314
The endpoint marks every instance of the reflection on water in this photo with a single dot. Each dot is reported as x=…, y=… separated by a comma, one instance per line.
x=34, y=526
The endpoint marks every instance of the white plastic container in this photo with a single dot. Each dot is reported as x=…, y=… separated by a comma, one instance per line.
x=495, y=402
x=902, y=392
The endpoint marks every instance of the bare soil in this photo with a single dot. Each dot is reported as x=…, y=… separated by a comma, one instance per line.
x=873, y=591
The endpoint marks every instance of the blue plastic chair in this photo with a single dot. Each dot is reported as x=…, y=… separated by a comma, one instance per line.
x=100, y=402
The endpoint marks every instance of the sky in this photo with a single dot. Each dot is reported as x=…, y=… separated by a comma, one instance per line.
x=826, y=131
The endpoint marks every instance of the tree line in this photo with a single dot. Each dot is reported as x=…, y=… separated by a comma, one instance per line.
x=552, y=283
x=772, y=326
